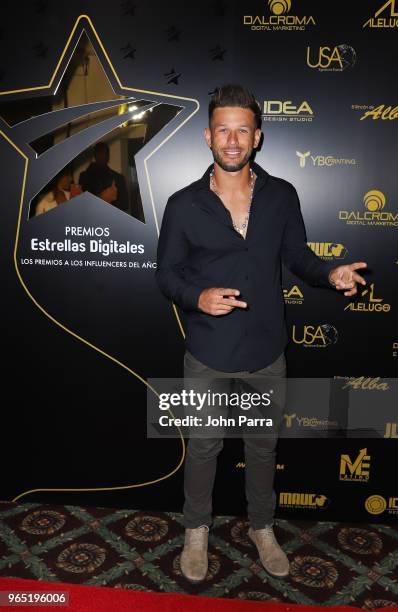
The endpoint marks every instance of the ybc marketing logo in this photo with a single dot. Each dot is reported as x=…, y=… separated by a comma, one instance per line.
x=310, y=501
x=328, y=250
x=377, y=504
x=331, y=59
x=308, y=421
x=293, y=295
x=315, y=336
x=370, y=303
x=323, y=161
x=279, y=18
x=357, y=470
x=374, y=202
x=388, y=20
x=285, y=110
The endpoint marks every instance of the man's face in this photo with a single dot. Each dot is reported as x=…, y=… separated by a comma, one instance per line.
x=232, y=136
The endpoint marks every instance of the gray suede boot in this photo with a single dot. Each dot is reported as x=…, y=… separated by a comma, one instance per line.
x=194, y=561
x=271, y=555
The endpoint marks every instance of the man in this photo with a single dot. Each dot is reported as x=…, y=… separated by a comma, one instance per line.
x=221, y=245
x=99, y=168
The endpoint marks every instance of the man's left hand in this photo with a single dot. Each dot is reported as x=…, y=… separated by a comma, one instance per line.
x=346, y=277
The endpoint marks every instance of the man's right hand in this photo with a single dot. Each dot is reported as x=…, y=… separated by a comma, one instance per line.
x=213, y=302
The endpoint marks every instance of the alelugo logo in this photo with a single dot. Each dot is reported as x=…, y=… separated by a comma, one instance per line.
x=383, y=22
x=370, y=304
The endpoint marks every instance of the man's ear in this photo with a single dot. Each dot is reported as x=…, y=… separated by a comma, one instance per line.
x=207, y=135
x=257, y=137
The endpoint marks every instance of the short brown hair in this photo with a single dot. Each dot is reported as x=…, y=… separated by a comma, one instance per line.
x=235, y=95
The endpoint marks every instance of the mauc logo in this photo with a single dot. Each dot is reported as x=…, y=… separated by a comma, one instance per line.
x=376, y=504
x=315, y=336
x=328, y=250
x=370, y=304
x=355, y=471
x=279, y=19
x=284, y=110
x=312, y=501
x=293, y=295
x=374, y=201
x=335, y=59
x=382, y=112
x=383, y=22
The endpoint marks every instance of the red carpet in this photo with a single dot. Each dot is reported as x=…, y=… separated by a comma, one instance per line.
x=105, y=599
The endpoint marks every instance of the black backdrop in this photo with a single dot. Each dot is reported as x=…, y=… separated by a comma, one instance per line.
x=79, y=342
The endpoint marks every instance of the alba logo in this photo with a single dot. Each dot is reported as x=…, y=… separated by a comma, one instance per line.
x=293, y=295
x=355, y=471
x=382, y=112
x=383, y=22
x=334, y=59
x=374, y=200
x=280, y=7
x=328, y=250
x=376, y=504
x=319, y=336
x=371, y=304
x=311, y=501
x=285, y=110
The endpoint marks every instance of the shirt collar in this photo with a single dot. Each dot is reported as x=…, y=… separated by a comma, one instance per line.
x=262, y=177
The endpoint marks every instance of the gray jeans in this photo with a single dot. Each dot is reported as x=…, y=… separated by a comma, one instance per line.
x=201, y=458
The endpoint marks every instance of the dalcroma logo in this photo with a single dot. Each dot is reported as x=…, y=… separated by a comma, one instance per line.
x=374, y=201
x=279, y=19
x=388, y=20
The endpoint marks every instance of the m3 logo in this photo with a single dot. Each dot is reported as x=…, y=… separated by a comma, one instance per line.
x=355, y=471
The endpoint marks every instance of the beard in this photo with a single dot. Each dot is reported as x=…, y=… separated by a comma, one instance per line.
x=231, y=166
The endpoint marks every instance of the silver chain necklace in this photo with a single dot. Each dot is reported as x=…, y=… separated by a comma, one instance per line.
x=239, y=228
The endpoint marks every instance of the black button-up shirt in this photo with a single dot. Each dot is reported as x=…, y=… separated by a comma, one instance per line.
x=199, y=248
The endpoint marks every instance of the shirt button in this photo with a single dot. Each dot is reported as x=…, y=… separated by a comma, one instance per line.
x=246, y=248
x=246, y=277
x=246, y=332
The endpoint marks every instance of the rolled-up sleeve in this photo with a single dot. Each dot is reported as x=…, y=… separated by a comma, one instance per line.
x=172, y=256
